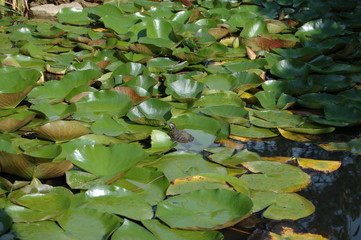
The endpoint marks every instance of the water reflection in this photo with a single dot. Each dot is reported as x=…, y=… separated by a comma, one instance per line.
x=337, y=195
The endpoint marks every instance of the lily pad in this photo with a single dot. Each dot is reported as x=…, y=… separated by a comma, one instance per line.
x=117, y=200
x=132, y=231
x=116, y=159
x=280, y=206
x=204, y=209
x=62, y=130
x=152, y=112
x=163, y=232
x=275, y=177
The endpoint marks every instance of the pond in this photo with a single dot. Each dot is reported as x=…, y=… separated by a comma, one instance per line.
x=336, y=195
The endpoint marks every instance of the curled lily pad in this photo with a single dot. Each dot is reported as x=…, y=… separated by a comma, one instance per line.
x=54, y=111
x=185, y=89
x=18, y=164
x=96, y=104
x=152, y=112
x=116, y=159
x=62, y=130
x=22, y=81
x=15, y=121
x=204, y=209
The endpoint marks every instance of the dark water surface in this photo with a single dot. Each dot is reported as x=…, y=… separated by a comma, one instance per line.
x=336, y=195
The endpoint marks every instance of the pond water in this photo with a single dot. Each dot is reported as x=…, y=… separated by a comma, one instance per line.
x=336, y=195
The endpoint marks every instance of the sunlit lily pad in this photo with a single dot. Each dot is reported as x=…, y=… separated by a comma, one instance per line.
x=116, y=159
x=148, y=183
x=204, y=209
x=117, y=200
x=275, y=177
x=152, y=112
x=22, y=81
x=183, y=164
x=193, y=183
x=95, y=224
x=97, y=104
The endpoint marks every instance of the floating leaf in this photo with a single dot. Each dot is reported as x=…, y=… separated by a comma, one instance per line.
x=320, y=28
x=62, y=130
x=275, y=177
x=185, y=89
x=204, y=209
x=319, y=165
x=252, y=132
x=115, y=159
x=193, y=183
x=148, y=183
x=117, y=200
x=132, y=231
x=282, y=206
x=183, y=164
x=163, y=232
x=152, y=111
x=96, y=104
x=74, y=16
x=94, y=224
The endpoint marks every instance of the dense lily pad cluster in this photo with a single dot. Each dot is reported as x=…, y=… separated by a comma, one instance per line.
x=92, y=95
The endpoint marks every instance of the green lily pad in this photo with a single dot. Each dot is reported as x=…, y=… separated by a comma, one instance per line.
x=320, y=28
x=132, y=231
x=75, y=16
x=204, y=209
x=185, y=90
x=183, y=164
x=160, y=142
x=281, y=206
x=290, y=69
x=15, y=121
x=163, y=232
x=117, y=200
x=116, y=159
x=148, y=183
x=226, y=157
x=273, y=119
x=54, y=111
x=96, y=104
x=165, y=65
x=152, y=111
x=94, y=224
x=14, y=91
x=231, y=114
x=275, y=177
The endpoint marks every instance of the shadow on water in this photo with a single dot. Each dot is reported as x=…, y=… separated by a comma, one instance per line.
x=336, y=195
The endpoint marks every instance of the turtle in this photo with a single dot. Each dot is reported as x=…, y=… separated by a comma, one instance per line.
x=180, y=136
